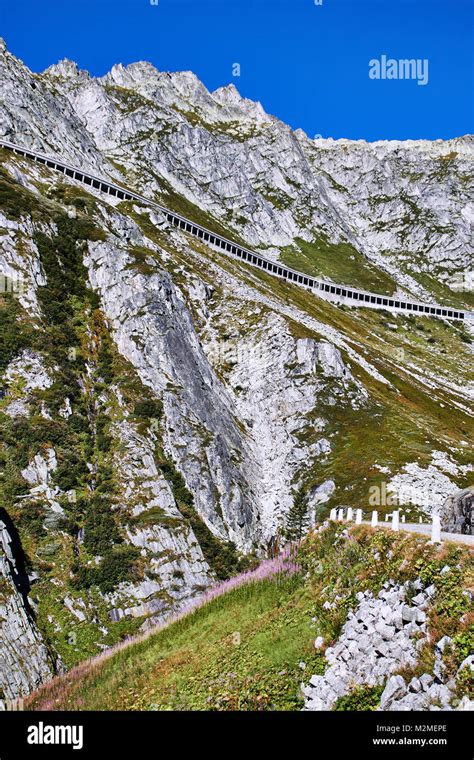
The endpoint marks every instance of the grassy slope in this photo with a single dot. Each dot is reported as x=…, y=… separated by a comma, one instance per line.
x=199, y=662
x=339, y=262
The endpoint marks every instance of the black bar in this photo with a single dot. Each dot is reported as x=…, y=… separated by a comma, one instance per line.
x=326, y=734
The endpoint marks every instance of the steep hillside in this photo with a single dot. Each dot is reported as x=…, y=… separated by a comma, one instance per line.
x=161, y=404
x=269, y=643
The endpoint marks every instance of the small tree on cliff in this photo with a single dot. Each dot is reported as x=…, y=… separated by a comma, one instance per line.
x=298, y=517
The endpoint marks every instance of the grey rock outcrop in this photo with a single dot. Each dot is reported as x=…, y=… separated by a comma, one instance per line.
x=457, y=512
x=173, y=558
x=321, y=357
x=25, y=661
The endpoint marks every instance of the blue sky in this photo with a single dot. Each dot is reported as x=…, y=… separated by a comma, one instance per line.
x=308, y=64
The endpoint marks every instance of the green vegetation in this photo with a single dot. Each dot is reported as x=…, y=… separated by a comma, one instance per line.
x=250, y=648
x=15, y=334
x=128, y=100
x=148, y=409
x=15, y=200
x=76, y=640
x=444, y=166
x=73, y=341
x=276, y=197
x=298, y=517
x=70, y=195
x=340, y=262
x=401, y=422
x=116, y=566
x=31, y=520
x=361, y=698
x=101, y=531
x=233, y=129
x=69, y=318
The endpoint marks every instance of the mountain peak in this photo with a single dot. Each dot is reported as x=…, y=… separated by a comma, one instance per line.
x=227, y=94
x=65, y=69
x=230, y=96
x=136, y=72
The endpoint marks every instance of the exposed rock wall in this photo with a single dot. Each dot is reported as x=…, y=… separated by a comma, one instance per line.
x=457, y=512
x=25, y=661
x=175, y=569
x=154, y=330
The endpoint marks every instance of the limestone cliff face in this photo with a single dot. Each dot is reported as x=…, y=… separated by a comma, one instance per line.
x=154, y=330
x=25, y=661
x=161, y=404
x=174, y=560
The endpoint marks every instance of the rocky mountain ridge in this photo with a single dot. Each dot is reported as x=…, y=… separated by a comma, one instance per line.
x=389, y=203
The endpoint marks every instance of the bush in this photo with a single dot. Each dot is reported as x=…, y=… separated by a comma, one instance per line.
x=360, y=698
x=148, y=409
x=14, y=336
x=103, y=439
x=105, y=364
x=117, y=566
x=71, y=470
x=464, y=644
x=67, y=285
x=100, y=529
x=68, y=525
x=31, y=519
